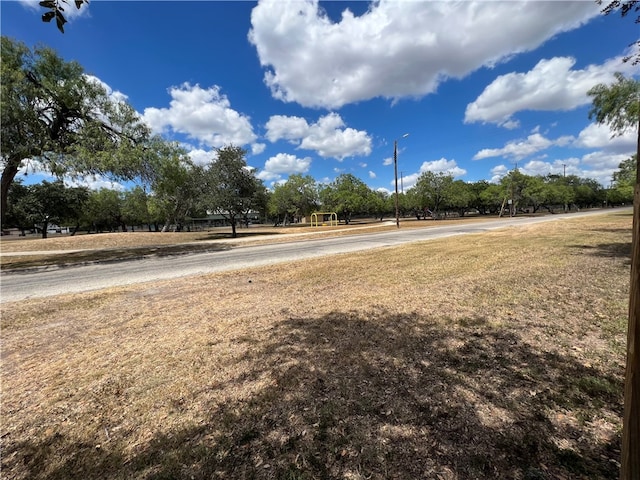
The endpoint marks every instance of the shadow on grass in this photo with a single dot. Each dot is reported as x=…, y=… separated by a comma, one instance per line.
x=373, y=396
x=609, y=250
x=108, y=255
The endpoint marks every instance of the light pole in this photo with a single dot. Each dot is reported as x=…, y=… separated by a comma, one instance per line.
x=395, y=173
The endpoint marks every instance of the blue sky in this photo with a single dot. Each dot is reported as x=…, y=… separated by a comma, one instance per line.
x=323, y=88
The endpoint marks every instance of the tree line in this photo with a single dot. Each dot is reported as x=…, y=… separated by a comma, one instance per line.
x=180, y=192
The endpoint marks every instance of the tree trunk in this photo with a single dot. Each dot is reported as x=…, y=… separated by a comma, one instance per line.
x=630, y=464
x=45, y=225
x=8, y=174
x=233, y=228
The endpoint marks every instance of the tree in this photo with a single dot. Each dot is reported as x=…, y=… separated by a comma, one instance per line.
x=297, y=197
x=176, y=184
x=431, y=190
x=231, y=188
x=104, y=211
x=459, y=196
x=56, y=9
x=135, y=208
x=477, y=200
x=618, y=106
x=51, y=112
x=627, y=172
x=38, y=206
x=347, y=196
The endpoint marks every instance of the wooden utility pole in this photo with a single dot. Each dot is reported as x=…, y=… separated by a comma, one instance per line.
x=630, y=465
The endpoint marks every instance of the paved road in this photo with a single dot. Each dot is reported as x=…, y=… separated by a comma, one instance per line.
x=15, y=285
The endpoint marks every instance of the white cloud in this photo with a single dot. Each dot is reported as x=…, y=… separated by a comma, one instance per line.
x=518, y=149
x=551, y=85
x=387, y=161
x=114, y=95
x=281, y=127
x=436, y=166
x=284, y=164
x=443, y=166
x=327, y=136
x=596, y=135
x=569, y=166
x=94, y=182
x=372, y=174
x=396, y=49
x=202, y=114
x=202, y=157
x=498, y=172
x=257, y=148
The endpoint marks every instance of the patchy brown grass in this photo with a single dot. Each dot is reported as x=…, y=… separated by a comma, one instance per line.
x=498, y=355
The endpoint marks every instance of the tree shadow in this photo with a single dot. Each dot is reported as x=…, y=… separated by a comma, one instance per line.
x=375, y=395
x=608, y=250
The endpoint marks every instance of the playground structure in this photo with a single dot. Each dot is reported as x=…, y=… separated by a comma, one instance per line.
x=328, y=218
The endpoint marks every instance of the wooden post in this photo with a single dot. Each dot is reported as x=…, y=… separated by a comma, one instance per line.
x=630, y=464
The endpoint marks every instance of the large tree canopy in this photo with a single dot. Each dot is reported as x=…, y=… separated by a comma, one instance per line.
x=55, y=114
x=231, y=188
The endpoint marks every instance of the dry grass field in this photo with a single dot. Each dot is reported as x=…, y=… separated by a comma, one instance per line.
x=498, y=355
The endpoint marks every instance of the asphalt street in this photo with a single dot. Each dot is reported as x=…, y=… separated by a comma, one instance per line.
x=19, y=285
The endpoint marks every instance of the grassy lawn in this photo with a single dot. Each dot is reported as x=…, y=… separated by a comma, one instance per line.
x=498, y=355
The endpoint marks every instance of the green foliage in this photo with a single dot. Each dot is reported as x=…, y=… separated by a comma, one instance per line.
x=230, y=187
x=347, y=196
x=297, y=197
x=624, y=180
x=627, y=172
x=103, y=211
x=37, y=206
x=176, y=184
x=53, y=113
x=135, y=208
x=432, y=191
x=616, y=105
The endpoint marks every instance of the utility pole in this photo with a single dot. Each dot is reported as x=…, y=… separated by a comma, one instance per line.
x=395, y=174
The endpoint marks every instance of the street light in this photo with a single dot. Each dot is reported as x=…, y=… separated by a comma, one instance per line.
x=395, y=171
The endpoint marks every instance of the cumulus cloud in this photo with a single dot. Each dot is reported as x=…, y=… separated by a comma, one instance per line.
x=436, y=166
x=519, y=149
x=202, y=157
x=568, y=166
x=284, y=164
x=552, y=84
x=395, y=49
x=203, y=114
x=328, y=137
x=597, y=135
x=498, y=172
x=114, y=95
